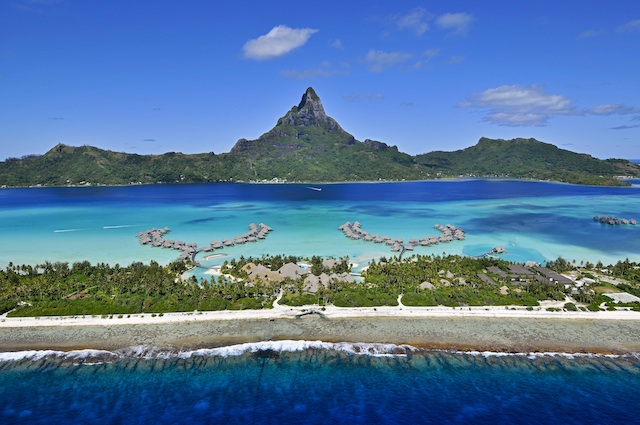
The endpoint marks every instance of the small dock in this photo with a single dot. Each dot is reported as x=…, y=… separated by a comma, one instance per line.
x=494, y=251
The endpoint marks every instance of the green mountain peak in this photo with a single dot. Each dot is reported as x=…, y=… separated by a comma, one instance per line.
x=308, y=145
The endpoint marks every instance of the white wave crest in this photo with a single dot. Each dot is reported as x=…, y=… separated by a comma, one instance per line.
x=370, y=349
x=92, y=356
x=36, y=355
x=534, y=355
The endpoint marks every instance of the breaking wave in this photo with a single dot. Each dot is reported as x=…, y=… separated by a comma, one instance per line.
x=92, y=356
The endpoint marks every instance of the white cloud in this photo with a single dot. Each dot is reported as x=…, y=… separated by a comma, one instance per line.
x=629, y=27
x=459, y=23
x=325, y=70
x=417, y=21
x=617, y=109
x=589, y=34
x=613, y=109
x=378, y=61
x=362, y=97
x=625, y=127
x=431, y=53
x=337, y=44
x=425, y=64
x=277, y=42
x=310, y=73
x=517, y=105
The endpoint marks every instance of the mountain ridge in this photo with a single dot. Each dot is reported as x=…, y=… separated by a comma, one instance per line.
x=307, y=145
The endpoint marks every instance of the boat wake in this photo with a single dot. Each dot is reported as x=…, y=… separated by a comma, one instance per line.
x=121, y=226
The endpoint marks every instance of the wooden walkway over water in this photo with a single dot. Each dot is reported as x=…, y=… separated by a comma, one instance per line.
x=155, y=237
x=449, y=233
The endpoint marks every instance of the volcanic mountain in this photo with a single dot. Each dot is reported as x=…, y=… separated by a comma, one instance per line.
x=306, y=145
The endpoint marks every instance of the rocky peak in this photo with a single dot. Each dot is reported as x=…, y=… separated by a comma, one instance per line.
x=309, y=112
x=60, y=149
x=378, y=145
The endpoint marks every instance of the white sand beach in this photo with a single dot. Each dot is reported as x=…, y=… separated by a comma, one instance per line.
x=287, y=312
x=463, y=328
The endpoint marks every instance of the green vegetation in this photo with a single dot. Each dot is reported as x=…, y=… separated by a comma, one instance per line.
x=528, y=159
x=306, y=145
x=85, y=289
x=455, y=281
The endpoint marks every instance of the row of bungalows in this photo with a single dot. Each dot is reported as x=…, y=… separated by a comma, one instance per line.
x=522, y=275
x=554, y=277
x=293, y=271
x=449, y=233
x=256, y=232
x=614, y=220
x=155, y=237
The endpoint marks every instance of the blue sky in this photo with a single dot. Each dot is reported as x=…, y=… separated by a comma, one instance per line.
x=195, y=76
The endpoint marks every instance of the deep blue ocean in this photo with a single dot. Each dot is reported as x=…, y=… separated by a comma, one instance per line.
x=317, y=384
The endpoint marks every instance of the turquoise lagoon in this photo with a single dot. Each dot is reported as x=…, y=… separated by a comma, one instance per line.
x=534, y=221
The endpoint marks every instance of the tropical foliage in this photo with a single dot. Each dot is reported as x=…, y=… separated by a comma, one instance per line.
x=455, y=281
x=85, y=289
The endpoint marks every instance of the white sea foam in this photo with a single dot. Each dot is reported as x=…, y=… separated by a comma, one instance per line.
x=92, y=356
x=36, y=355
x=534, y=355
x=68, y=230
x=370, y=349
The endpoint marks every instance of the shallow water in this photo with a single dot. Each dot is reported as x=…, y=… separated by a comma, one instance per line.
x=533, y=220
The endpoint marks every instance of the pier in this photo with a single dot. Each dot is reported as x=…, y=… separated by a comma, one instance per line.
x=189, y=250
x=448, y=233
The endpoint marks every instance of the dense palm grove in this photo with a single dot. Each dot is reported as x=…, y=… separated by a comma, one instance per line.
x=101, y=289
x=85, y=289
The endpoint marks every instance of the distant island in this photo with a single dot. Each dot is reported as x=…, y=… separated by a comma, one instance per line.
x=307, y=145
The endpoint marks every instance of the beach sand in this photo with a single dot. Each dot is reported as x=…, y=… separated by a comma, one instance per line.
x=466, y=329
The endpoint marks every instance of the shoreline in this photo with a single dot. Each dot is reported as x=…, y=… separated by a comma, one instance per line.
x=290, y=312
x=493, y=329
x=437, y=179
